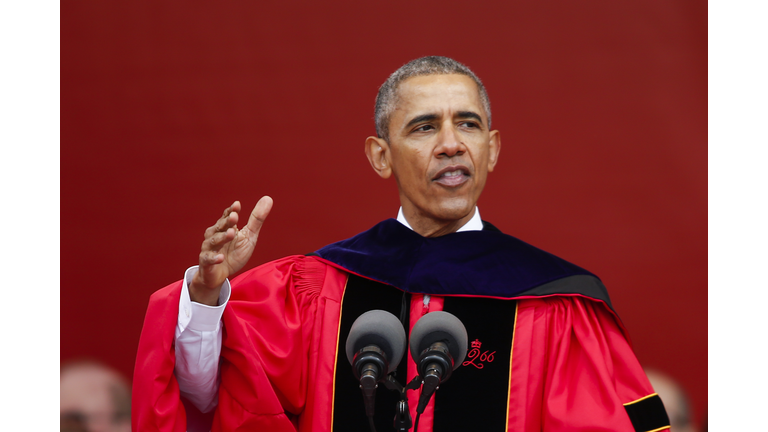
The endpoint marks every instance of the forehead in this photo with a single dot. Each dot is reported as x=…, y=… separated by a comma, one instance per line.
x=438, y=94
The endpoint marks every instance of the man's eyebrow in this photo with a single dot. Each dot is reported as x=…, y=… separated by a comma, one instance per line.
x=421, y=118
x=469, y=114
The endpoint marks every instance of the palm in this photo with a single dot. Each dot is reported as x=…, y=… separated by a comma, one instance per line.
x=239, y=251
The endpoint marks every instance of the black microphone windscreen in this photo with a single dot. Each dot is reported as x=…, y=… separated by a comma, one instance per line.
x=380, y=328
x=440, y=326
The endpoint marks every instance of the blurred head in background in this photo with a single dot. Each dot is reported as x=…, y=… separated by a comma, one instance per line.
x=675, y=401
x=94, y=398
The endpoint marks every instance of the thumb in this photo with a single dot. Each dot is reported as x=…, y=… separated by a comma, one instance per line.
x=259, y=214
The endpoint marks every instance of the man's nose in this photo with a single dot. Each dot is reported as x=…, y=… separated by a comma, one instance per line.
x=449, y=143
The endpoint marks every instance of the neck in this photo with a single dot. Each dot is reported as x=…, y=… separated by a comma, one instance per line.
x=428, y=226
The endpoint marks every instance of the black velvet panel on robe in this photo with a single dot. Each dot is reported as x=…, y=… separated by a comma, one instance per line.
x=360, y=296
x=475, y=397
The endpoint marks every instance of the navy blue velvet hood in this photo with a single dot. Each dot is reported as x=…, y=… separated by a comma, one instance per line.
x=477, y=263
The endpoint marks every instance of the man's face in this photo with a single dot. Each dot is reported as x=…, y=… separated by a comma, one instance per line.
x=441, y=149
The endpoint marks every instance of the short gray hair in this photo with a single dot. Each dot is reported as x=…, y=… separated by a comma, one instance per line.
x=386, y=100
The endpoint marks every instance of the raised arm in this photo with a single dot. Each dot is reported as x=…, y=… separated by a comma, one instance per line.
x=265, y=347
x=224, y=251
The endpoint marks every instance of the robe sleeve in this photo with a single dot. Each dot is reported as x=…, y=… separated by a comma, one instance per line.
x=267, y=333
x=593, y=381
x=155, y=400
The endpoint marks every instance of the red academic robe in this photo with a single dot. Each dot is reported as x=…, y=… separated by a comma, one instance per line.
x=571, y=365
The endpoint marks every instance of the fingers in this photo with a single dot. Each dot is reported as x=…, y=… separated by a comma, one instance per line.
x=235, y=207
x=218, y=235
x=209, y=258
x=218, y=240
x=259, y=214
x=214, y=251
x=226, y=221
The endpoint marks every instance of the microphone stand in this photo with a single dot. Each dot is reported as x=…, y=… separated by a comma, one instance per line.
x=403, y=421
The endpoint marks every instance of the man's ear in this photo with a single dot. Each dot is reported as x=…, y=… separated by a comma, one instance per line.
x=378, y=154
x=494, y=147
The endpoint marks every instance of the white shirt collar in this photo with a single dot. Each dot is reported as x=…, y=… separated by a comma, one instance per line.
x=474, y=224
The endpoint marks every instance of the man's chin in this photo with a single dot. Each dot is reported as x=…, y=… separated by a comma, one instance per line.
x=454, y=211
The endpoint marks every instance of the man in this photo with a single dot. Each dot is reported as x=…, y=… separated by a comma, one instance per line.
x=94, y=398
x=547, y=352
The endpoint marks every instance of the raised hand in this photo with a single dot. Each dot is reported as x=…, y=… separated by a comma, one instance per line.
x=225, y=250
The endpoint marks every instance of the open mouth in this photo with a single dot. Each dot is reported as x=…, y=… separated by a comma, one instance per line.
x=452, y=176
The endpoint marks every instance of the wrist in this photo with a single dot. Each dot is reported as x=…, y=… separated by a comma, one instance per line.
x=200, y=293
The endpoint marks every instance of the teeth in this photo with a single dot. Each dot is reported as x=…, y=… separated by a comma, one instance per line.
x=452, y=173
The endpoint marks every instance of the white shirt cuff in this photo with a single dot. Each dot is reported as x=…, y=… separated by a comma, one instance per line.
x=197, y=316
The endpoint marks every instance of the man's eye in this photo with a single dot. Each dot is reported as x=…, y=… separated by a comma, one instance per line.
x=470, y=124
x=424, y=128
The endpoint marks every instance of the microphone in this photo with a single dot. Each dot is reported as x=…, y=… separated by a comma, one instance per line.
x=438, y=346
x=375, y=346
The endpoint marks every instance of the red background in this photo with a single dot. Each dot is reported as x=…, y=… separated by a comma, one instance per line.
x=172, y=110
